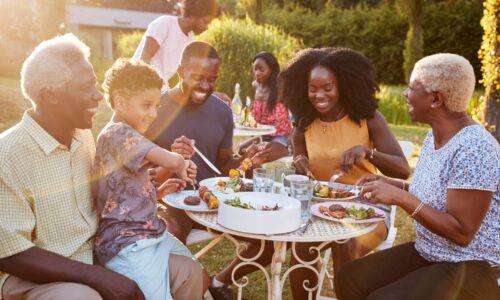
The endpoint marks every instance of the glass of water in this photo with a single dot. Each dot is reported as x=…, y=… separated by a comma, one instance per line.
x=263, y=180
x=287, y=179
x=303, y=191
x=279, y=175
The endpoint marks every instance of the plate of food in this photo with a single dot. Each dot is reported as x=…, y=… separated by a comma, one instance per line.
x=228, y=185
x=235, y=183
x=201, y=200
x=324, y=191
x=348, y=212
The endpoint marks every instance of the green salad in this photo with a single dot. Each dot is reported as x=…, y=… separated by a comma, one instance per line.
x=236, y=202
x=361, y=213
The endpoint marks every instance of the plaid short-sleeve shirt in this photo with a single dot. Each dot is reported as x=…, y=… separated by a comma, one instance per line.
x=45, y=193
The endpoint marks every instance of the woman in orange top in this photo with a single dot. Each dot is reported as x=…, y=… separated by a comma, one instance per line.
x=331, y=94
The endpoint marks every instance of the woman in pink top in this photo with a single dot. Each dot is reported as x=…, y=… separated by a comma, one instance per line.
x=266, y=108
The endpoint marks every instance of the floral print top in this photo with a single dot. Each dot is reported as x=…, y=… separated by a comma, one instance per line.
x=278, y=117
x=125, y=197
x=470, y=160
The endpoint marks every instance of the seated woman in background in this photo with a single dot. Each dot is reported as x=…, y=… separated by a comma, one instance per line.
x=454, y=197
x=331, y=94
x=267, y=108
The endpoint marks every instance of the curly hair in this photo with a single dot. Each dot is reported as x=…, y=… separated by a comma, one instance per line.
x=199, y=8
x=272, y=82
x=450, y=74
x=128, y=77
x=355, y=75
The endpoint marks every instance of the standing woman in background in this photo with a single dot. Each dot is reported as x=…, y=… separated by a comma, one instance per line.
x=331, y=94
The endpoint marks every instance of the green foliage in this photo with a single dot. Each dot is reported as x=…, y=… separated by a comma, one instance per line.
x=476, y=106
x=453, y=27
x=100, y=64
x=237, y=42
x=392, y=104
x=49, y=17
x=490, y=58
x=379, y=31
x=16, y=22
x=17, y=36
x=358, y=28
x=127, y=43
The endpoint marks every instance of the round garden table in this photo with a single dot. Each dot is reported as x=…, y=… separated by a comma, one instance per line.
x=321, y=231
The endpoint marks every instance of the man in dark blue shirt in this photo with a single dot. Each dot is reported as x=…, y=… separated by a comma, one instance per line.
x=189, y=114
x=210, y=125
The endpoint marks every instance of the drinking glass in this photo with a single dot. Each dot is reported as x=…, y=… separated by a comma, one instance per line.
x=287, y=179
x=303, y=191
x=262, y=180
x=279, y=174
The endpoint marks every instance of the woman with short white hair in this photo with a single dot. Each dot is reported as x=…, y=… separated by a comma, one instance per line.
x=454, y=198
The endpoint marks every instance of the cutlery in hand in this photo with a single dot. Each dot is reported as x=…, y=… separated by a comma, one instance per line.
x=335, y=177
x=214, y=168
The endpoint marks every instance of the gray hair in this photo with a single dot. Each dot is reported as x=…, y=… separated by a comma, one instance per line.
x=48, y=66
x=450, y=74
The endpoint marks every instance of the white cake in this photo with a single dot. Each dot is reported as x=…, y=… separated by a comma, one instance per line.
x=285, y=219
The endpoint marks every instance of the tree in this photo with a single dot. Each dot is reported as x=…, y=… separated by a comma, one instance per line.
x=16, y=22
x=49, y=18
x=17, y=37
x=253, y=8
x=490, y=56
x=414, y=43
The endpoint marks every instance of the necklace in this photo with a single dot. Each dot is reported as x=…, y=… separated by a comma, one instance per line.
x=324, y=127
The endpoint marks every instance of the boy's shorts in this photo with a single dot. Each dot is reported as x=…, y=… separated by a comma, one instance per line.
x=146, y=262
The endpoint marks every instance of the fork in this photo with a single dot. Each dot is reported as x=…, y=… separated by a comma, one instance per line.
x=195, y=188
x=313, y=178
x=335, y=177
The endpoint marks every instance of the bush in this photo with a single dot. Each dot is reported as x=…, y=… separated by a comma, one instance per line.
x=453, y=27
x=237, y=42
x=127, y=43
x=100, y=64
x=379, y=31
x=392, y=104
x=358, y=28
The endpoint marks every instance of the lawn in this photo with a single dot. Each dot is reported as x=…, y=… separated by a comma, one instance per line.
x=14, y=104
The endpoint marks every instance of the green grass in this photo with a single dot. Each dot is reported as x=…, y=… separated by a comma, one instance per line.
x=13, y=106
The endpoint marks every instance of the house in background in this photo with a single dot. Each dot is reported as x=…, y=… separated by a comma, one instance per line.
x=105, y=24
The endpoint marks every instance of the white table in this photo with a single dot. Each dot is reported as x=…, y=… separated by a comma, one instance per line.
x=254, y=132
x=319, y=231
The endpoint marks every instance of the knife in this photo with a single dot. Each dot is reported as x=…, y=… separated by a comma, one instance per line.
x=214, y=168
x=306, y=225
x=380, y=206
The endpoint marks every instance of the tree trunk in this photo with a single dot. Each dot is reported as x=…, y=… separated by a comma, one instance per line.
x=414, y=39
x=258, y=11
